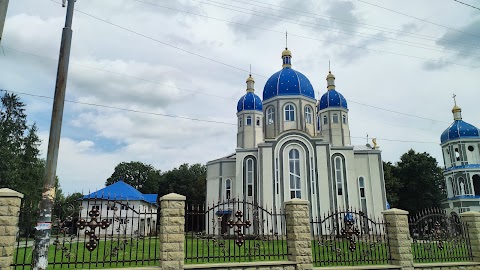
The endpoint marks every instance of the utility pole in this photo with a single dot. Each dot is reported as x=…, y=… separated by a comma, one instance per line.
x=3, y=16
x=43, y=228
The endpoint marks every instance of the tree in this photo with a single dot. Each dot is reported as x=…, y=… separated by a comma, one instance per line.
x=392, y=183
x=143, y=177
x=186, y=180
x=420, y=182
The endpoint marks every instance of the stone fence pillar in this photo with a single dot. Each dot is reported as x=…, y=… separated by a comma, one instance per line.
x=9, y=209
x=473, y=222
x=399, y=237
x=172, y=231
x=299, y=239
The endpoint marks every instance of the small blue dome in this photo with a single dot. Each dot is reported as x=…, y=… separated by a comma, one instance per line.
x=332, y=98
x=288, y=82
x=249, y=101
x=459, y=129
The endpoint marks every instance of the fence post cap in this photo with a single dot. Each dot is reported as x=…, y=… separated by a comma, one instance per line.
x=395, y=211
x=296, y=201
x=173, y=197
x=6, y=192
x=470, y=214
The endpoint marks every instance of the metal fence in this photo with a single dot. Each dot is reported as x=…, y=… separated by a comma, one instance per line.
x=234, y=231
x=94, y=233
x=439, y=237
x=348, y=238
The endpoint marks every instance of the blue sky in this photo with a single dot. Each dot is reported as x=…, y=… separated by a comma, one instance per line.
x=379, y=58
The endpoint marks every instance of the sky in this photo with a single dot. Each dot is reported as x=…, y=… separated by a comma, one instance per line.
x=152, y=69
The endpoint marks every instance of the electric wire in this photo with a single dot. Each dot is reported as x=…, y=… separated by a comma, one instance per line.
x=420, y=19
x=182, y=117
x=466, y=4
x=228, y=98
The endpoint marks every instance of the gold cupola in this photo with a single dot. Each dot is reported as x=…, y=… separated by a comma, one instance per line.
x=287, y=58
x=330, y=81
x=250, y=84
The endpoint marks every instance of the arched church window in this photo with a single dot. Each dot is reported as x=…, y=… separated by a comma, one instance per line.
x=248, y=121
x=325, y=120
x=240, y=122
x=461, y=185
x=363, y=198
x=335, y=118
x=344, y=119
x=270, y=115
x=339, y=175
x=228, y=189
x=457, y=154
x=308, y=115
x=249, y=172
x=289, y=112
x=294, y=172
x=258, y=121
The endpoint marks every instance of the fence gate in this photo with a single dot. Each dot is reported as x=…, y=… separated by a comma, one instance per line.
x=349, y=237
x=234, y=231
x=439, y=237
x=93, y=233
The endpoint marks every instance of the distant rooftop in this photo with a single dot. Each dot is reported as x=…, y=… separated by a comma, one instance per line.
x=121, y=191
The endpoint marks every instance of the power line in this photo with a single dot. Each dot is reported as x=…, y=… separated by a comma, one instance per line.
x=420, y=19
x=466, y=4
x=180, y=117
x=203, y=93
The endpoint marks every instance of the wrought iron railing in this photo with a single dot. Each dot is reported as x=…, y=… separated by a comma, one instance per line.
x=234, y=231
x=439, y=237
x=94, y=233
x=349, y=238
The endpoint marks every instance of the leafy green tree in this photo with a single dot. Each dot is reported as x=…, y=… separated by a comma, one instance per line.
x=420, y=182
x=141, y=176
x=186, y=180
x=392, y=183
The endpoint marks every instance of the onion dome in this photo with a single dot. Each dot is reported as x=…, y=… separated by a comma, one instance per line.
x=332, y=98
x=459, y=129
x=288, y=82
x=249, y=101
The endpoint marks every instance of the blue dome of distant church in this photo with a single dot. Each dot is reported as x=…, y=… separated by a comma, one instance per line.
x=288, y=82
x=459, y=129
x=332, y=98
x=249, y=101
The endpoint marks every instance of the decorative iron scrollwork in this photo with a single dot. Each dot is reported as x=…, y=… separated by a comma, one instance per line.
x=239, y=224
x=93, y=224
x=350, y=231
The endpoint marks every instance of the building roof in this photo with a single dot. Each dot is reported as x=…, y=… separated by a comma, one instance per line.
x=121, y=191
x=288, y=82
x=249, y=101
x=332, y=98
x=459, y=129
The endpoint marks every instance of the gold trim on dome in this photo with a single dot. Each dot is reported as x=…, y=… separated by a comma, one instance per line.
x=456, y=109
x=286, y=52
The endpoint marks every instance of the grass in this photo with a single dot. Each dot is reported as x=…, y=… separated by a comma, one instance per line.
x=108, y=254
x=338, y=253
x=432, y=251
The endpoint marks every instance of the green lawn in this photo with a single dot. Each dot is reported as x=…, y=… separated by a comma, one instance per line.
x=337, y=253
x=432, y=251
x=108, y=254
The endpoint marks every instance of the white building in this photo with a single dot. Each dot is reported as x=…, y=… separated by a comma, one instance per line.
x=291, y=145
x=460, y=146
x=128, y=211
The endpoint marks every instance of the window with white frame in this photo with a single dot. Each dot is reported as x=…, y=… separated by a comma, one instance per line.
x=248, y=121
x=270, y=115
x=308, y=115
x=344, y=119
x=325, y=120
x=294, y=172
x=258, y=121
x=228, y=189
x=363, y=197
x=250, y=175
x=339, y=175
x=335, y=118
x=289, y=112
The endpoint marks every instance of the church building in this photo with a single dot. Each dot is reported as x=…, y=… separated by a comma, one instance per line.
x=291, y=145
x=460, y=144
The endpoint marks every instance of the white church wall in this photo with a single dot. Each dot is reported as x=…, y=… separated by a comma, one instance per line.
x=323, y=169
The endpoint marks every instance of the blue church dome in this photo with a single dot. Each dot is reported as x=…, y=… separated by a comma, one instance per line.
x=459, y=129
x=332, y=98
x=288, y=82
x=249, y=101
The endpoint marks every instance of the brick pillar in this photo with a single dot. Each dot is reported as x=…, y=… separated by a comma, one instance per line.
x=399, y=237
x=172, y=227
x=9, y=209
x=473, y=222
x=299, y=239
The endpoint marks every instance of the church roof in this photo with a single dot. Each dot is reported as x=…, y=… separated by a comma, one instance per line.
x=332, y=98
x=288, y=82
x=249, y=101
x=459, y=129
x=121, y=191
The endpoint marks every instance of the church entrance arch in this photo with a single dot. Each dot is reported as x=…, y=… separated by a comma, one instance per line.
x=476, y=184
